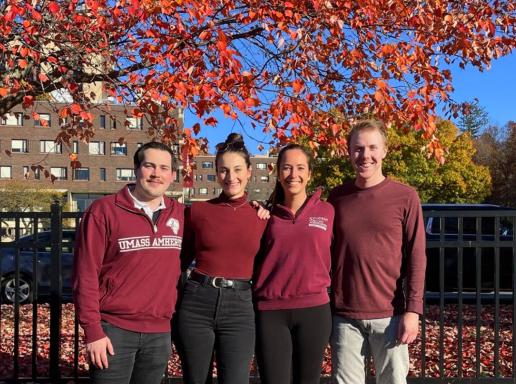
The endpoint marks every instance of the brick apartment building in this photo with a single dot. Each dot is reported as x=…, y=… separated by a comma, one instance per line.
x=205, y=184
x=106, y=165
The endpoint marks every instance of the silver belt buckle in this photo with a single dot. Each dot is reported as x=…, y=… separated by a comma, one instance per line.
x=223, y=283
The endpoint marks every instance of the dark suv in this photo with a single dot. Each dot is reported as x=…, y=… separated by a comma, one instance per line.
x=28, y=247
x=484, y=226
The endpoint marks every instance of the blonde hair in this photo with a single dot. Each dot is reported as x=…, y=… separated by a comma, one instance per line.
x=368, y=125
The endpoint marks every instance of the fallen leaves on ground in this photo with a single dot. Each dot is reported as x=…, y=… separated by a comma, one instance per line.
x=433, y=335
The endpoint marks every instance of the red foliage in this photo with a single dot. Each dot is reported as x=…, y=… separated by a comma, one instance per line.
x=285, y=65
x=450, y=340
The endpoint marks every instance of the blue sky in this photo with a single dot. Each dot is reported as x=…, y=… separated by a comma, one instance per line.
x=495, y=90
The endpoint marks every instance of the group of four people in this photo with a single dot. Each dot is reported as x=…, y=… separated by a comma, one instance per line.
x=252, y=276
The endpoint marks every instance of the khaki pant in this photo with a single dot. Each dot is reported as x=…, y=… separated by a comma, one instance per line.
x=353, y=340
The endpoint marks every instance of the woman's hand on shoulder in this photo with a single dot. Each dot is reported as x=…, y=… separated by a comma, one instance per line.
x=262, y=212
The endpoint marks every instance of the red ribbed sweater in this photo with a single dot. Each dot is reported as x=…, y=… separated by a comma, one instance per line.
x=223, y=236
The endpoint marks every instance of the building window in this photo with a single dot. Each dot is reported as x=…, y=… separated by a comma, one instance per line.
x=19, y=146
x=125, y=174
x=102, y=174
x=5, y=172
x=135, y=123
x=113, y=123
x=49, y=146
x=102, y=121
x=84, y=200
x=97, y=148
x=264, y=179
x=118, y=149
x=211, y=177
x=27, y=169
x=207, y=164
x=189, y=192
x=43, y=121
x=261, y=166
x=12, y=119
x=203, y=191
x=217, y=191
x=81, y=174
x=75, y=147
x=197, y=177
x=59, y=172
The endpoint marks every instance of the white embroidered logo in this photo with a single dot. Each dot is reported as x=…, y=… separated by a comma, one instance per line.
x=318, y=222
x=173, y=224
x=129, y=244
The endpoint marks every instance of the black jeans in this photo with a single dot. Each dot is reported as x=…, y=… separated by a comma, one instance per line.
x=139, y=357
x=291, y=343
x=215, y=319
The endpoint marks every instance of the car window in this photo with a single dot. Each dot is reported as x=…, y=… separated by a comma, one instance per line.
x=43, y=240
x=451, y=226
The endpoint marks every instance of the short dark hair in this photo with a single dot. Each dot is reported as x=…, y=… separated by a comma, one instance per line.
x=368, y=125
x=139, y=154
x=234, y=143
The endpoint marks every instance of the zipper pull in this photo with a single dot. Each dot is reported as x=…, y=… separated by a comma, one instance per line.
x=155, y=228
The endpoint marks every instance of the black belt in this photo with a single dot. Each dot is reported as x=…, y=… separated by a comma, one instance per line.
x=219, y=282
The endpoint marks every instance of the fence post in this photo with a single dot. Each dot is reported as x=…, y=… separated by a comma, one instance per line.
x=56, y=227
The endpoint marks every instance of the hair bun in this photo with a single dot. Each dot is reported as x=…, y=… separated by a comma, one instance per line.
x=234, y=138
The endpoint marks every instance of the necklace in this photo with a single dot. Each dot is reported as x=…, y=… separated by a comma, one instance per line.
x=235, y=207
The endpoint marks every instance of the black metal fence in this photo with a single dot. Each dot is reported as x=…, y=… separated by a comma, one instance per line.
x=467, y=331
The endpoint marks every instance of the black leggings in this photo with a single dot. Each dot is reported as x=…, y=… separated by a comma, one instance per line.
x=291, y=342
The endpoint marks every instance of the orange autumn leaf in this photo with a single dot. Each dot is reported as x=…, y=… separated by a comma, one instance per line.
x=226, y=108
x=75, y=109
x=53, y=7
x=64, y=112
x=43, y=77
x=298, y=85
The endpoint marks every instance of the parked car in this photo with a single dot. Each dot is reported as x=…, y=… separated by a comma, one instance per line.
x=38, y=246
x=484, y=236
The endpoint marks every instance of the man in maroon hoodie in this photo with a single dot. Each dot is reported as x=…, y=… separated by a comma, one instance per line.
x=126, y=271
x=378, y=265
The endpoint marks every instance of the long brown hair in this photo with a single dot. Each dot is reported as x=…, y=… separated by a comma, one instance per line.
x=278, y=195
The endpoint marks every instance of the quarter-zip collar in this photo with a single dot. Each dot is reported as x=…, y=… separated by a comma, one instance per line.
x=124, y=200
x=283, y=212
x=144, y=206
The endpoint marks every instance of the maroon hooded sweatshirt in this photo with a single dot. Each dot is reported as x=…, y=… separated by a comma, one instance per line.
x=293, y=270
x=126, y=268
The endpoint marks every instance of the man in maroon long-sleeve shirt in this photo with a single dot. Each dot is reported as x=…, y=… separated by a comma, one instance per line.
x=378, y=265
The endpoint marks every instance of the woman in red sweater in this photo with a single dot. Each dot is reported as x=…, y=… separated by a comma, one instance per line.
x=292, y=277
x=216, y=312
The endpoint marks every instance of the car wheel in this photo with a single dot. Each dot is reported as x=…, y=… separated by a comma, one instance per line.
x=24, y=289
